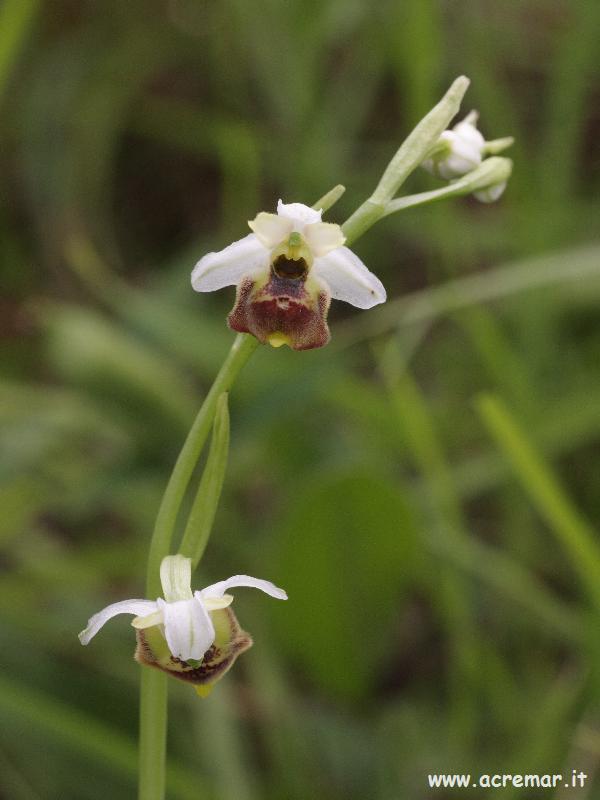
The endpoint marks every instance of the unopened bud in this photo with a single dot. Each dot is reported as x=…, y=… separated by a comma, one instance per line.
x=460, y=150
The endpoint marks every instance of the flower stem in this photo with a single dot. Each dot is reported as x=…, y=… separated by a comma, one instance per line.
x=204, y=507
x=153, y=734
x=410, y=154
x=493, y=170
x=153, y=697
x=242, y=348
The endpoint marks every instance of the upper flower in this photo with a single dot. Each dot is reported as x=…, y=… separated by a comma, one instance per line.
x=184, y=616
x=458, y=151
x=461, y=150
x=286, y=272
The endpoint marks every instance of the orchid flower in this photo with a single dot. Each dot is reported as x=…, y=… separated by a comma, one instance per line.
x=286, y=272
x=185, y=617
x=461, y=150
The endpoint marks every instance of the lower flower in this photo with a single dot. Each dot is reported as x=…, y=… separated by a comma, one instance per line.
x=194, y=637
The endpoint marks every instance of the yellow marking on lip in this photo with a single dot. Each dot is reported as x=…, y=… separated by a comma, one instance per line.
x=278, y=339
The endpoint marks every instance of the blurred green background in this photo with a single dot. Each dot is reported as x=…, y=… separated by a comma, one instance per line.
x=425, y=487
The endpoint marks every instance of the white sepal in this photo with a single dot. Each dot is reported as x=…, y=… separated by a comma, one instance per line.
x=348, y=279
x=219, y=589
x=188, y=628
x=135, y=607
x=149, y=621
x=300, y=214
x=228, y=266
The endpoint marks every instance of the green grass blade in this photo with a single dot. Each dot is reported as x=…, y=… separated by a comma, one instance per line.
x=573, y=531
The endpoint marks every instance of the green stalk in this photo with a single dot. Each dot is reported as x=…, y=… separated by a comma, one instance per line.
x=153, y=696
x=241, y=350
x=204, y=508
x=492, y=171
x=153, y=734
x=411, y=153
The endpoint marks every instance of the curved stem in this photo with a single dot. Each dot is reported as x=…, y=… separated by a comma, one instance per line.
x=153, y=696
x=202, y=515
x=241, y=350
x=410, y=154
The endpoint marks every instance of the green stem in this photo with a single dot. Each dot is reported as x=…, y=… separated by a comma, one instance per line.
x=241, y=350
x=492, y=171
x=418, y=143
x=411, y=153
x=153, y=734
x=153, y=697
x=204, y=507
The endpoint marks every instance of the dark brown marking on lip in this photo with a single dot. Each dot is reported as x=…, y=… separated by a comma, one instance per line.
x=215, y=662
x=289, y=268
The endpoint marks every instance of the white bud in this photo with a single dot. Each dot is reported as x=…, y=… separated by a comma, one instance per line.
x=460, y=150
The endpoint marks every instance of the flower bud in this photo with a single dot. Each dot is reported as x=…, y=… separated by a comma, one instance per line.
x=461, y=150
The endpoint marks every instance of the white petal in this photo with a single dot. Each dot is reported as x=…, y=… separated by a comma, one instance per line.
x=271, y=229
x=348, y=279
x=148, y=621
x=323, y=237
x=300, y=214
x=218, y=589
x=469, y=133
x=176, y=578
x=215, y=603
x=188, y=628
x=228, y=266
x=135, y=607
x=465, y=154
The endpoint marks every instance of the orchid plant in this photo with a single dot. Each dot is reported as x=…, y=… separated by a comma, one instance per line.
x=286, y=272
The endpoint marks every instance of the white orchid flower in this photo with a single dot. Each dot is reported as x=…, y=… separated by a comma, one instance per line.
x=462, y=149
x=286, y=272
x=184, y=616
